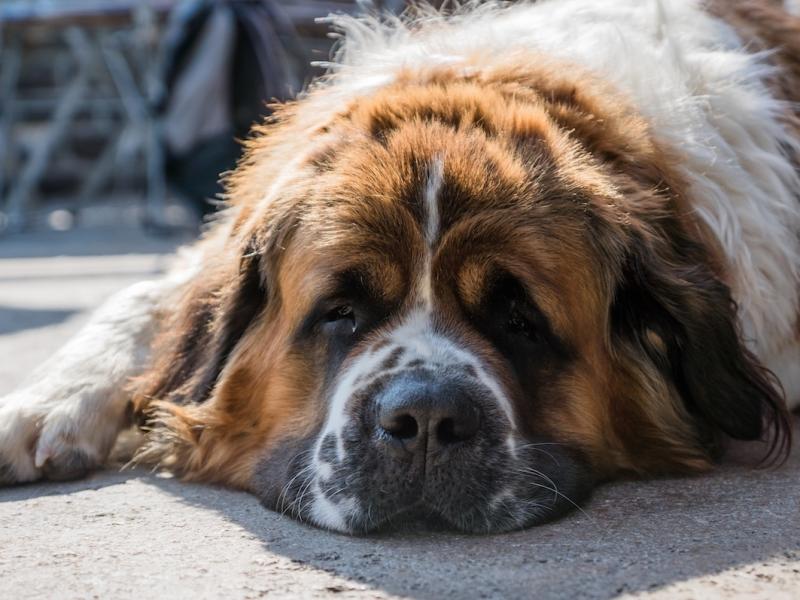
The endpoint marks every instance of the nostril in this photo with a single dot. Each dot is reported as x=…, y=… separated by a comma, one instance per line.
x=402, y=426
x=452, y=431
x=446, y=432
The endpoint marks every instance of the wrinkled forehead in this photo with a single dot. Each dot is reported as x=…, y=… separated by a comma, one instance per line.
x=425, y=222
x=423, y=177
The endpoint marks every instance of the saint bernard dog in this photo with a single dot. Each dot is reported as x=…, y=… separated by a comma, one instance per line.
x=492, y=258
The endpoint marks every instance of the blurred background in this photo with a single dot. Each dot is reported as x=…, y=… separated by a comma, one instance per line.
x=116, y=119
x=127, y=111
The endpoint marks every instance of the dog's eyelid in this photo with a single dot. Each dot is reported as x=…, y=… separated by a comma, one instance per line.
x=349, y=291
x=514, y=290
x=509, y=298
x=524, y=312
x=354, y=284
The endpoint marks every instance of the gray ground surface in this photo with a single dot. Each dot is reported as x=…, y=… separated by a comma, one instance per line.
x=137, y=535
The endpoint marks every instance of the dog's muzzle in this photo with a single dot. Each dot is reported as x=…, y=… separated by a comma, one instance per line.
x=422, y=443
x=425, y=443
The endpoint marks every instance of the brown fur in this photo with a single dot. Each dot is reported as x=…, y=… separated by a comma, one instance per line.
x=549, y=176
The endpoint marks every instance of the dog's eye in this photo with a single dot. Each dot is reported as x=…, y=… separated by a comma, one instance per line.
x=342, y=314
x=518, y=324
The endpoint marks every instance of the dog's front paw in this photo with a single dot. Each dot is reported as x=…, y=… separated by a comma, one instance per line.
x=40, y=438
x=68, y=446
x=19, y=432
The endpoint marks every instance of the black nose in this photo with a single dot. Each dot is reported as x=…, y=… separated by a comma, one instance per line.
x=425, y=416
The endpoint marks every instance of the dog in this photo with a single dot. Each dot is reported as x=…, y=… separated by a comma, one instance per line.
x=490, y=260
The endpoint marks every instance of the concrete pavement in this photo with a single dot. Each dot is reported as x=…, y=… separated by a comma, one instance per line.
x=735, y=532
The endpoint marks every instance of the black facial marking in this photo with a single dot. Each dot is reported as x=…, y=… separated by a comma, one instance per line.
x=514, y=319
x=392, y=360
x=327, y=450
x=341, y=319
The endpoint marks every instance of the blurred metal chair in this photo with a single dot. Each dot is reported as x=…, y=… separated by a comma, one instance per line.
x=119, y=43
x=116, y=38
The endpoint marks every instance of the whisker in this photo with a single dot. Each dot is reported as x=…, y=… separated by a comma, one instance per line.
x=299, y=500
x=531, y=471
x=285, y=488
x=537, y=448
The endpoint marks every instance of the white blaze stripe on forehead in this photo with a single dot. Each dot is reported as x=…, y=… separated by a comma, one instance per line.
x=432, y=187
x=431, y=201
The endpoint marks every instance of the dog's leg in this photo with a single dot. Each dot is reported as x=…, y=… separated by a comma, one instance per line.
x=65, y=421
x=786, y=367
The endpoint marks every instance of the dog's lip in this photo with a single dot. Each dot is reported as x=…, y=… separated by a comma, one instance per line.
x=421, y=516
x=418, y=517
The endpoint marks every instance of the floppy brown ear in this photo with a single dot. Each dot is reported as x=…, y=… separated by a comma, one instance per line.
x=682, y=317
x=215, y=312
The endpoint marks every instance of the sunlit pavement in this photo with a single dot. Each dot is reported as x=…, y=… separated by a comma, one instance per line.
x=733, y=533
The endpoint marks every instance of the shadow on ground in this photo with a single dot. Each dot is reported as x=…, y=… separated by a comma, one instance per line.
x=105, y=241
x=14, y=318
x=633, y=537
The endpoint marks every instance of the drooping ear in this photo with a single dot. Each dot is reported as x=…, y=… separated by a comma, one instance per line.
x=237, y=308
x=678, y=313
x=213, y=315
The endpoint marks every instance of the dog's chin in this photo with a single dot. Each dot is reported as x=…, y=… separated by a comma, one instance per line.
x=425, y=517
x=429, y=515
x=490, y=502
x=416, y=519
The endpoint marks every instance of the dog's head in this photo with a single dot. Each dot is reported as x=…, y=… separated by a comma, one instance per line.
x=461, y=298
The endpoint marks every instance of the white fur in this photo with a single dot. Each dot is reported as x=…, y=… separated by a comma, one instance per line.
x=432, y=187
x=792, y=6
x=431, y=201
x=326, y=513
x=76, y=401
x=688, y=73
